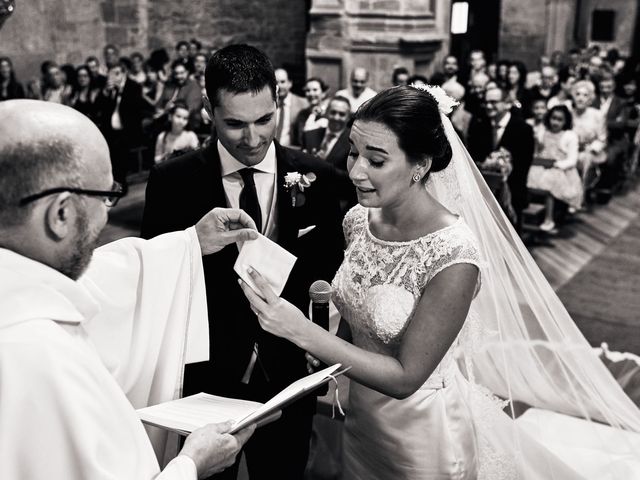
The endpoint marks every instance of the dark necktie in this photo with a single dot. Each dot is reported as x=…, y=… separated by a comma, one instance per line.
x=495, y=127
x=324, y=146
x=249, y=197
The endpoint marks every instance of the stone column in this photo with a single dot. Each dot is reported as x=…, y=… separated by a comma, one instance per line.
x=377, y=35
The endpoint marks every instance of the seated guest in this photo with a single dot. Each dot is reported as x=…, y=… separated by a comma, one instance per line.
x=182, y=55
x=111, y=54
x=449, y=72
x=539, y=111
x=180, y=87
x=137, y=73
x=516, y=90
x=313, y=116
x=499, y=130
x=562, y=181
x=85, y=338
x=176, y=139
x=83, y=96
x=590, y=126
x=548, y=86
x=10, y=88
x=418, y=80
x=97, y=78
x=289, y=106
x=563, y=97
x=359, y=92
x=616, y=112
x=400, y=76
x=51, y=87
x=199, y=65
x=460, y=118
x=474, y=97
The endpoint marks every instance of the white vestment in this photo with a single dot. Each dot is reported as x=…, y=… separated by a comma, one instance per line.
x=77, y=357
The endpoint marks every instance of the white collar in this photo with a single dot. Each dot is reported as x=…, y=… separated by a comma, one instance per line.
x=31, y=290
x=229, y=165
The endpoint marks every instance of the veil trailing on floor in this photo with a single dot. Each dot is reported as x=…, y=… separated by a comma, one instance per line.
x=520, y=344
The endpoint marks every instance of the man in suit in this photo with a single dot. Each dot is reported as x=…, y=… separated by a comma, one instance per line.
x=245, y=168
x=359, y=91
x=289, y=105
x=120, y=106
x=332, y=143
x=496, y=129
x=616, y=112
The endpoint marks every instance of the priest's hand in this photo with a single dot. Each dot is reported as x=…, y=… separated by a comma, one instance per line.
x=222, y=226
x=212, y=449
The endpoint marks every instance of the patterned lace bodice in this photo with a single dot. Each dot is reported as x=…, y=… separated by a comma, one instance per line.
x=379, y=283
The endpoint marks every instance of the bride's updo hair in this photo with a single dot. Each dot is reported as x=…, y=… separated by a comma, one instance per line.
x=413, y=115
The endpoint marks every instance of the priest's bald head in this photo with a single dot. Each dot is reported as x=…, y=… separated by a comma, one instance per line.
x=55, y=175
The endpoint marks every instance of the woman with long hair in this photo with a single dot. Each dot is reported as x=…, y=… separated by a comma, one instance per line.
x=10, y=88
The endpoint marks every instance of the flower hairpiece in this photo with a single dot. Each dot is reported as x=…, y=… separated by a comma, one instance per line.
x=444, y=101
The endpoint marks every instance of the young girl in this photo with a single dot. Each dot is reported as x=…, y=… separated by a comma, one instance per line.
x=562, y=181
x=176, y=138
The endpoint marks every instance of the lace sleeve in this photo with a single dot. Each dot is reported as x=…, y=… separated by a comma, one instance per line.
x=457, y=245
x=351, y=219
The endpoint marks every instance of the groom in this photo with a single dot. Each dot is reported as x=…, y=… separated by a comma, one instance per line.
x=243, y=167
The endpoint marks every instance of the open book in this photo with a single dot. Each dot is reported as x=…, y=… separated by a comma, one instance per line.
x=190, y=413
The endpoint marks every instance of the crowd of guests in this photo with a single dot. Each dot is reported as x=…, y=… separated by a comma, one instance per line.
x=566, y=133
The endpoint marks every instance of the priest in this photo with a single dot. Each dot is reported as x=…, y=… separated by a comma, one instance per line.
x=85, y=338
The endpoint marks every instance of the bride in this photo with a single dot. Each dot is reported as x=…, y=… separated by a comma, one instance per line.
x=453, y=325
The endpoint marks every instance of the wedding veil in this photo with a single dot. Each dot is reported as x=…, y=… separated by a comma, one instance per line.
x=522, y=345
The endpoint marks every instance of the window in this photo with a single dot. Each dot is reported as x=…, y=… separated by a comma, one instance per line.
x=602, y=23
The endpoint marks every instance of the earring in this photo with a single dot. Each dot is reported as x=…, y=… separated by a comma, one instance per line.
x=416, y=177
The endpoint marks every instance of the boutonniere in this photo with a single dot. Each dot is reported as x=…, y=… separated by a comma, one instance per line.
x=295, y=183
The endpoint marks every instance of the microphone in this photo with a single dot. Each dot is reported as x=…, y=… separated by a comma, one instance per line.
x=320, y=294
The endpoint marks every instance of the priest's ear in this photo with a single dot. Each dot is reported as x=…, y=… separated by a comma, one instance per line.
x=60, y=215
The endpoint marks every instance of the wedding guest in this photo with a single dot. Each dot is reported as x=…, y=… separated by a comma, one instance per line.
x=137, y=73
x=177, y=138
x=449, y=71
x=83, y=97
x=111, y=55
x=245, y=167
x=289, y=106
x=180, y=87
x=418, y=80
x=97, y=78
x=616, y=114
x=182, y=55
x=562, y=180
x=497, y=129
x=590, y=126
x=539, y=112
x=120, y=106
x=474, y=97
x=151, y=89
x=516, y=90
x=502, y=72
x=85, y=338
x=199, y=65
x=313, y=116
x=460, y=117
x=548, y=86
x=400, y=76
x=10, y=88
x=52, y=87
x=159, y=60
x=565, y=80
x=359, y=92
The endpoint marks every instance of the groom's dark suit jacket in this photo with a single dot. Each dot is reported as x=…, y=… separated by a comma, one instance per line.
x=180, y=191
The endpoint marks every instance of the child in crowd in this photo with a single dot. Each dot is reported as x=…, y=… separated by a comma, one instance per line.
x=538, y=110
x=176, y=137
x=562, y=180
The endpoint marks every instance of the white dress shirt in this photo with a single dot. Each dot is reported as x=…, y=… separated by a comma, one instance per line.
x=355, y=102
x=264, y=178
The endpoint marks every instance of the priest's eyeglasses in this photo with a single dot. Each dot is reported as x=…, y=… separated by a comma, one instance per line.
x=109, y=197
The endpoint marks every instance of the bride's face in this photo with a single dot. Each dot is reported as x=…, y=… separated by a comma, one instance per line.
x=378, y=167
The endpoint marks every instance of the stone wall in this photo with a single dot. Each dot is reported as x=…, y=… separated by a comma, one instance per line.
x=523, y=32
x=70, y=30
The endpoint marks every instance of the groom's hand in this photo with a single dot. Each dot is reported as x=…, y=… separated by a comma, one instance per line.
x=222, y=226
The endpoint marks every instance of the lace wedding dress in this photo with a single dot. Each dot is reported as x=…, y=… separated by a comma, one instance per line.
x=426, y=435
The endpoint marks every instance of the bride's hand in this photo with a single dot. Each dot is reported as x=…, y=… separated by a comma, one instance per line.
x=276, y=315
